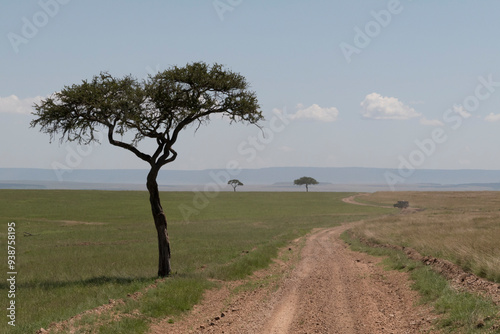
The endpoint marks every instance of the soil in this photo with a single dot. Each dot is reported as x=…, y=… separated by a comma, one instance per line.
x=318, y=285
x=352, y=200
x=329, y=289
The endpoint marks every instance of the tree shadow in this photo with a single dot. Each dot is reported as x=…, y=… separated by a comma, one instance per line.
x=93, y=281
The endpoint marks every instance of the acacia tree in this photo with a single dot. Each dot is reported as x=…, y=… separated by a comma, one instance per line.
x=234, y=183
x=156, y=108
x=305, y=180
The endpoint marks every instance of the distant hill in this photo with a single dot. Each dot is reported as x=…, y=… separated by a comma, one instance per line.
x=275, y=178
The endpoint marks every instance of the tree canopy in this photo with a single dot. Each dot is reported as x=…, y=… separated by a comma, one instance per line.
x=156, y=108
x=234, y=183
x=305, y=180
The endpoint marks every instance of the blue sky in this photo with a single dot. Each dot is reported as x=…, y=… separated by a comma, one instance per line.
x=391, y=84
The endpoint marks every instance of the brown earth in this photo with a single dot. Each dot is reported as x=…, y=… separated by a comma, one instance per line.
x=352, y=200
x=318, y=285
x=331, y=289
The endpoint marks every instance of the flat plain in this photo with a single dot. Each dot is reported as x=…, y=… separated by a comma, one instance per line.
x=96, y=250
x=77, y=250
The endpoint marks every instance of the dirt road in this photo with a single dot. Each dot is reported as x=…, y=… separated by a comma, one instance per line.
x=352, y=200
x=331, y=289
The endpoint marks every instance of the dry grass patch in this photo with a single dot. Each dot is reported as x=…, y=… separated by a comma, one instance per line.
x=463, y=227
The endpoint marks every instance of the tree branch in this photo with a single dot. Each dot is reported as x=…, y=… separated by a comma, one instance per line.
x=179, y=127
x=161, y=146
x=172, y=158
x=127, y=146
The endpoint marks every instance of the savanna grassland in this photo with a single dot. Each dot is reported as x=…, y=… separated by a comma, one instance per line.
x=463, y=227
x=77, y=250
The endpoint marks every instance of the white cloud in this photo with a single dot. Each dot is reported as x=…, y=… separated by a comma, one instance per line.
x=461, y=111
x=13, y=104
x=430, y=122
x=492, y=117
x=376, y=106
x=315, y=112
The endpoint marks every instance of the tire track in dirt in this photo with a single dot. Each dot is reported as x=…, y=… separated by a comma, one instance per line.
x=335, y=290
x=283, y=316
x=331, y=290
x=352, y=200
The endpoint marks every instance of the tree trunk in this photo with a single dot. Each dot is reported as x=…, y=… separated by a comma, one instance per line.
x=307, y=189
x=160, y=220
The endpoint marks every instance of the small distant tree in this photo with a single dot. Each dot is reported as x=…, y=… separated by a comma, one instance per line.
x=305, y=180
x=234, y=183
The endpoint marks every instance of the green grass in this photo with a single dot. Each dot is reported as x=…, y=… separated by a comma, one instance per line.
x=125, y=325
x=86, y=247
x=182, y=294
x=461, y=312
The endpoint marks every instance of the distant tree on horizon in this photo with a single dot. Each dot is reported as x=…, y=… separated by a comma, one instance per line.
x=305, y=180
x=234, y=183
x=127, y=110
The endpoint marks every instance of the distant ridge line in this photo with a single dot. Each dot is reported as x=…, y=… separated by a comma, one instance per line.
x=370, y=178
